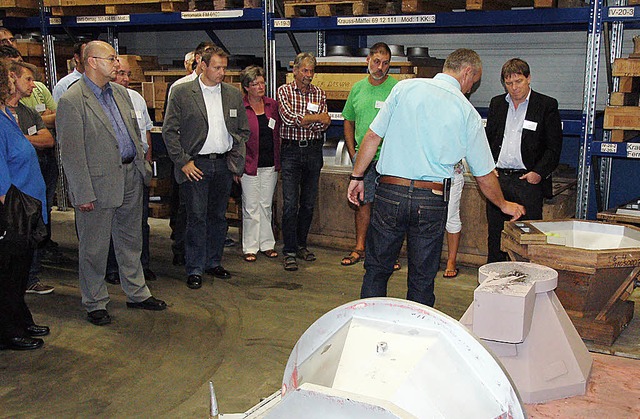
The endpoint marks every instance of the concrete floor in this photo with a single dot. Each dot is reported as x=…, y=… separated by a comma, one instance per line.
x=237, y=333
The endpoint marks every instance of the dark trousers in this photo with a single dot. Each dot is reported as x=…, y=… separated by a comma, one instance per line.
x=397, y=211
x=15, y=316
x=112, y=264
x=206, y=205
x=49, y=168
x=524, y=193
x=300, y=173
x=178, y=219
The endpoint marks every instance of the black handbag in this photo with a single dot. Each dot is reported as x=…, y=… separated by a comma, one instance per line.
x=21, y=223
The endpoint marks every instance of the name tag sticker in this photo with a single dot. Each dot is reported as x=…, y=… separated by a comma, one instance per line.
x=40, y=107
x=272, y=123
x=32, y=130
x=133, y=114
x=379, y=104
x=531, y=126
x=312, y=107
x=233, y=113
x=138, y=114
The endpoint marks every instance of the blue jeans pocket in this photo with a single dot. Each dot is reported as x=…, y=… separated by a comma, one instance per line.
x=385, y=212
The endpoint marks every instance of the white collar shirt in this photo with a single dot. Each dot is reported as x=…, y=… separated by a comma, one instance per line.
x=218, y=139
x=510, y=155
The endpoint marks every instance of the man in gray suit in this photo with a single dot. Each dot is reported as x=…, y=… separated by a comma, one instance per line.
x=205, y=129
x=105, y=167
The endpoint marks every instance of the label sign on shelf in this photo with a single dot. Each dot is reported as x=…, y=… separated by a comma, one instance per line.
x=609, y=148
x=282, y=23
x=621, y=12
x=336, y=116
x=55, y=21
x=103, y=19
x=633, y=150
x=386, y=20
x=212, y=14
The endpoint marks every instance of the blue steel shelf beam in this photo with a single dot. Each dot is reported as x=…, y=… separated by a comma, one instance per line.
x=545, y=20
x=223, y=19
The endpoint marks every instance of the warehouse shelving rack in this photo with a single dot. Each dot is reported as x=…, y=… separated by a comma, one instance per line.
x=590, y=19
x=619, y=17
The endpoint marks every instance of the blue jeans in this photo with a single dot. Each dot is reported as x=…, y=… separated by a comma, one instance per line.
x=206, y=205
x=300, y=181
x=397, y=211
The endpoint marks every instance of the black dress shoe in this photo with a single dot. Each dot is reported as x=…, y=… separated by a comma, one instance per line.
x=112, y=278
x=194, y=281
x=99, y=317
x=22, y=344
x=149, y=275
x=178, y=260
x=149, y=304
x=34, y=330
x=219, y=272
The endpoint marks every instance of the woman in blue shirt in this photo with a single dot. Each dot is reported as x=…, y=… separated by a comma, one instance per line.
x=18, y=167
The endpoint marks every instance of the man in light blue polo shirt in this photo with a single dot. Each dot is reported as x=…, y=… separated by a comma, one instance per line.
x=428, y=125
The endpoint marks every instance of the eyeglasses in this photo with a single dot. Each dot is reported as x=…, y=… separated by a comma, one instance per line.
x=123, y=73
x=7, y=41
x=111, y=59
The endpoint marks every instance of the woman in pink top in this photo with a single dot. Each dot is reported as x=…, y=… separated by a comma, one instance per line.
x=261, y=168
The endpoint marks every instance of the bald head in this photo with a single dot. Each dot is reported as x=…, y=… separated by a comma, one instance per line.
x=100, y=62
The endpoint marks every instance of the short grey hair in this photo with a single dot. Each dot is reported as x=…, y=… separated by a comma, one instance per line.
x=462, y=58
x=249, y=74
x=304, y=57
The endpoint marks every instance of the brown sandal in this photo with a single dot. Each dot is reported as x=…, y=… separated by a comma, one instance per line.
x=250, y=257
x=354, y=257
x=270, y=253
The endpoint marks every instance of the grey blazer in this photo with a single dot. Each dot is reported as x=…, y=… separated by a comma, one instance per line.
x=89, y=148
x=186, y=126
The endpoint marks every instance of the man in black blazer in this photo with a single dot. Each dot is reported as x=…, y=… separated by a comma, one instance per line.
x=205, y=129
x=525, y=135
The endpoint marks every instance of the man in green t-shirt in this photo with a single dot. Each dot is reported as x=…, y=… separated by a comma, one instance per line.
x=363, y=104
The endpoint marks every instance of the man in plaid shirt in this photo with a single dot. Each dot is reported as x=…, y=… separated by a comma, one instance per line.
x=303, y=109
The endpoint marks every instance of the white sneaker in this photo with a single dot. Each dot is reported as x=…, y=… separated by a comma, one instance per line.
x=40, y=288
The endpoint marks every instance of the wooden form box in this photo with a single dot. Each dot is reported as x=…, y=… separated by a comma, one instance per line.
x=338, y=85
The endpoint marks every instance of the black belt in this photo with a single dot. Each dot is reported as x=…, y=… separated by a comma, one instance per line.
x=299, y=143
x=512, y=172
x=418, y=184
x=128, y=161
x=212, y=156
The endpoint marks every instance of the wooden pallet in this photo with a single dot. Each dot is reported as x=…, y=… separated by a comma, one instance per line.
x=333, y=8
x=123, y=7
x=431, y=6
x=236, y=4
x=19, y=8
x=508, y=4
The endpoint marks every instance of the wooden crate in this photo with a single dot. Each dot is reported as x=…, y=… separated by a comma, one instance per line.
x=159, y=209
x=155, y=93
x=161, y=187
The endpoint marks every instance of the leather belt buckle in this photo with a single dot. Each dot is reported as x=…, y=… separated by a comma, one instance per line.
x=303, y=143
